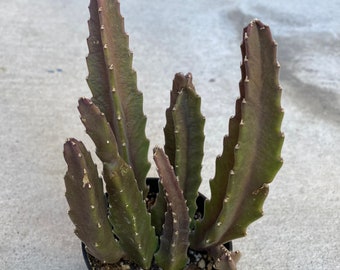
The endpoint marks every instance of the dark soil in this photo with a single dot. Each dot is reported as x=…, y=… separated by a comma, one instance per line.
x=197, y=261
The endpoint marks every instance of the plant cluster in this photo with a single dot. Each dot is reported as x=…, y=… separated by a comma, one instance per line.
x=122, y=225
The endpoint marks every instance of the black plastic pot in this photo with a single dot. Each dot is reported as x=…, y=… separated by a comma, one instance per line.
x=86, y=256
x=152, y=182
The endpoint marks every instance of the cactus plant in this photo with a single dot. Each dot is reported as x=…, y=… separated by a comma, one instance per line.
x=124, y=226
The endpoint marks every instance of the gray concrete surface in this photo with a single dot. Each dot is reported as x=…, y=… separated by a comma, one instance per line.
x=42, y=74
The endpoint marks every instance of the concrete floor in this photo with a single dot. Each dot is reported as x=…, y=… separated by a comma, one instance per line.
x=42, y=74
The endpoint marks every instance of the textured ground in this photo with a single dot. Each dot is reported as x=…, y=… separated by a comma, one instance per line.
x=42, y=74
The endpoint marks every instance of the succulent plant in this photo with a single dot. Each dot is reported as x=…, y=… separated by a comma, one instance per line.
x=122, y=225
